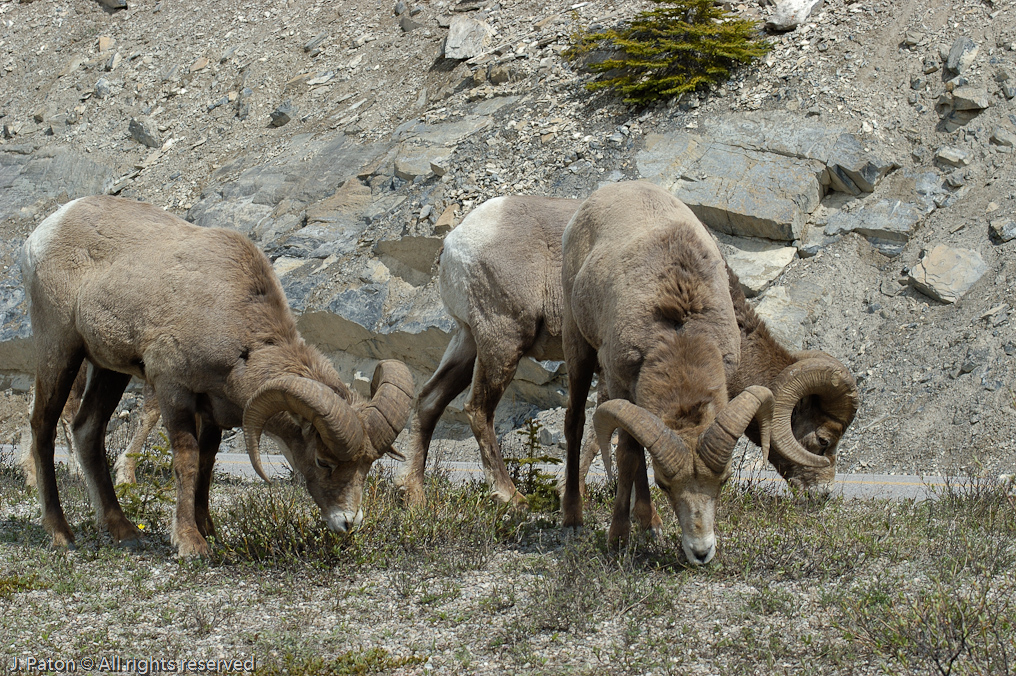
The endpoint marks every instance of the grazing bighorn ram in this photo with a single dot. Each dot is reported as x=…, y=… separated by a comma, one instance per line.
x=200, y=315
x=500, y=280
x=126, y=464
x=646, y=303
x=815, y=398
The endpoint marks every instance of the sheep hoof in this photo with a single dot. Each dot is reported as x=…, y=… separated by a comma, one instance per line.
x=571, y=532
x=132, y=544
x=414, y=496
x=191, y=545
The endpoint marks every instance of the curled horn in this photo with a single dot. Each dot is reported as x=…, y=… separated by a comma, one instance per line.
x=716, y=444
x=391, y=392
x=648, y=430
x=331, y=415
x=819, y=374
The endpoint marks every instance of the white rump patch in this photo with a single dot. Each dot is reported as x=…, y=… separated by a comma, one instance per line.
x=38, y=242
x=463, y=247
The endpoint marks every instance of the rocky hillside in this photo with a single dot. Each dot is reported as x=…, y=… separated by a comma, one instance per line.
x=861, y=179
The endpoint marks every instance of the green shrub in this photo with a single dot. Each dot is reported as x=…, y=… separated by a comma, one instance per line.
x=539, y=487
x=683, y=46
x=145, y=501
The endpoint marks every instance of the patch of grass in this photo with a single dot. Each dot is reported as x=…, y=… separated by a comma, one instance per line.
x=947, y=625
x=681, y=46
x=370, y=661
x=12, y=584
x=582, y=585
x=279, y=525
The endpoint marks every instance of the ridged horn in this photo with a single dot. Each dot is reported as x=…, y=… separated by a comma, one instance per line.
x=332, y=416
x=647, y=429
x=815, y=373
x=391, y=392
x=716, y=444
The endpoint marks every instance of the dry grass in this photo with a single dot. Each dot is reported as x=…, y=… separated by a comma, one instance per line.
x=469, y=586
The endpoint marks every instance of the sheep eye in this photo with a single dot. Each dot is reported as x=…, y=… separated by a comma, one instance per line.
x=323, y=465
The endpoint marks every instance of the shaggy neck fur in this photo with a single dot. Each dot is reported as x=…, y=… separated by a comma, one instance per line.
x=682, y=378
x=274, y=347
x=762, y=357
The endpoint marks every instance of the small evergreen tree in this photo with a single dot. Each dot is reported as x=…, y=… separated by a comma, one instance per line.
x=681, y=46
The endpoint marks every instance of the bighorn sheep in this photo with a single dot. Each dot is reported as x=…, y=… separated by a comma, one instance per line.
x=126, y=464
x=500, y=271
x=646, y=303
x=500, y=279
x=816, y=399
x=200, y=315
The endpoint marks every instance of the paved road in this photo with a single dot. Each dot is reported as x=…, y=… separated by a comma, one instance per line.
x=851, y=486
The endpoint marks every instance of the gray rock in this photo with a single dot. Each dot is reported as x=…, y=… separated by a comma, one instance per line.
x=785, y=310
x=970, y=98
x=888, y=224
x=145, y=131
x=103, y=89
x=400, y=8
x=418, y=160
x=411, y=258
x=790, y=14
x=954, y=156
x=1002, y=230
x=408, y=25
x=961, y=55
x=946, y=273
x=315, y=42
x=1001, y=136
x=467, y=38
x=283, y=114
x=113, y=4
x=756, y=262
x=735, y=190
x=243, y=103
x=760, y=176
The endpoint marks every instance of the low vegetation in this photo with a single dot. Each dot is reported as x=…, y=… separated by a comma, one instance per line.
x=465, y=585
x=681, y=46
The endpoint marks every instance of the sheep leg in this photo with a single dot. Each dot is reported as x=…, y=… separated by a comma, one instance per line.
x=67, y=418
x=209, y=439
x=581, y=359
x=630, y=460
x=489, y=384
x=52, y=384
x=101, y=396
x=643, y=511
x=590, y=448
x=126, y=465
x=179, y=417
x=452, y=376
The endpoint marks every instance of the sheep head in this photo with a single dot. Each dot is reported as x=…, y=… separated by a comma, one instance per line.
x=691, y=465
x=332, y=442
x=816, y=399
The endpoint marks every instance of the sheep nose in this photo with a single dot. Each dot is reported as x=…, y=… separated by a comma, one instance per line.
x=343, y=521
x=700, y=557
